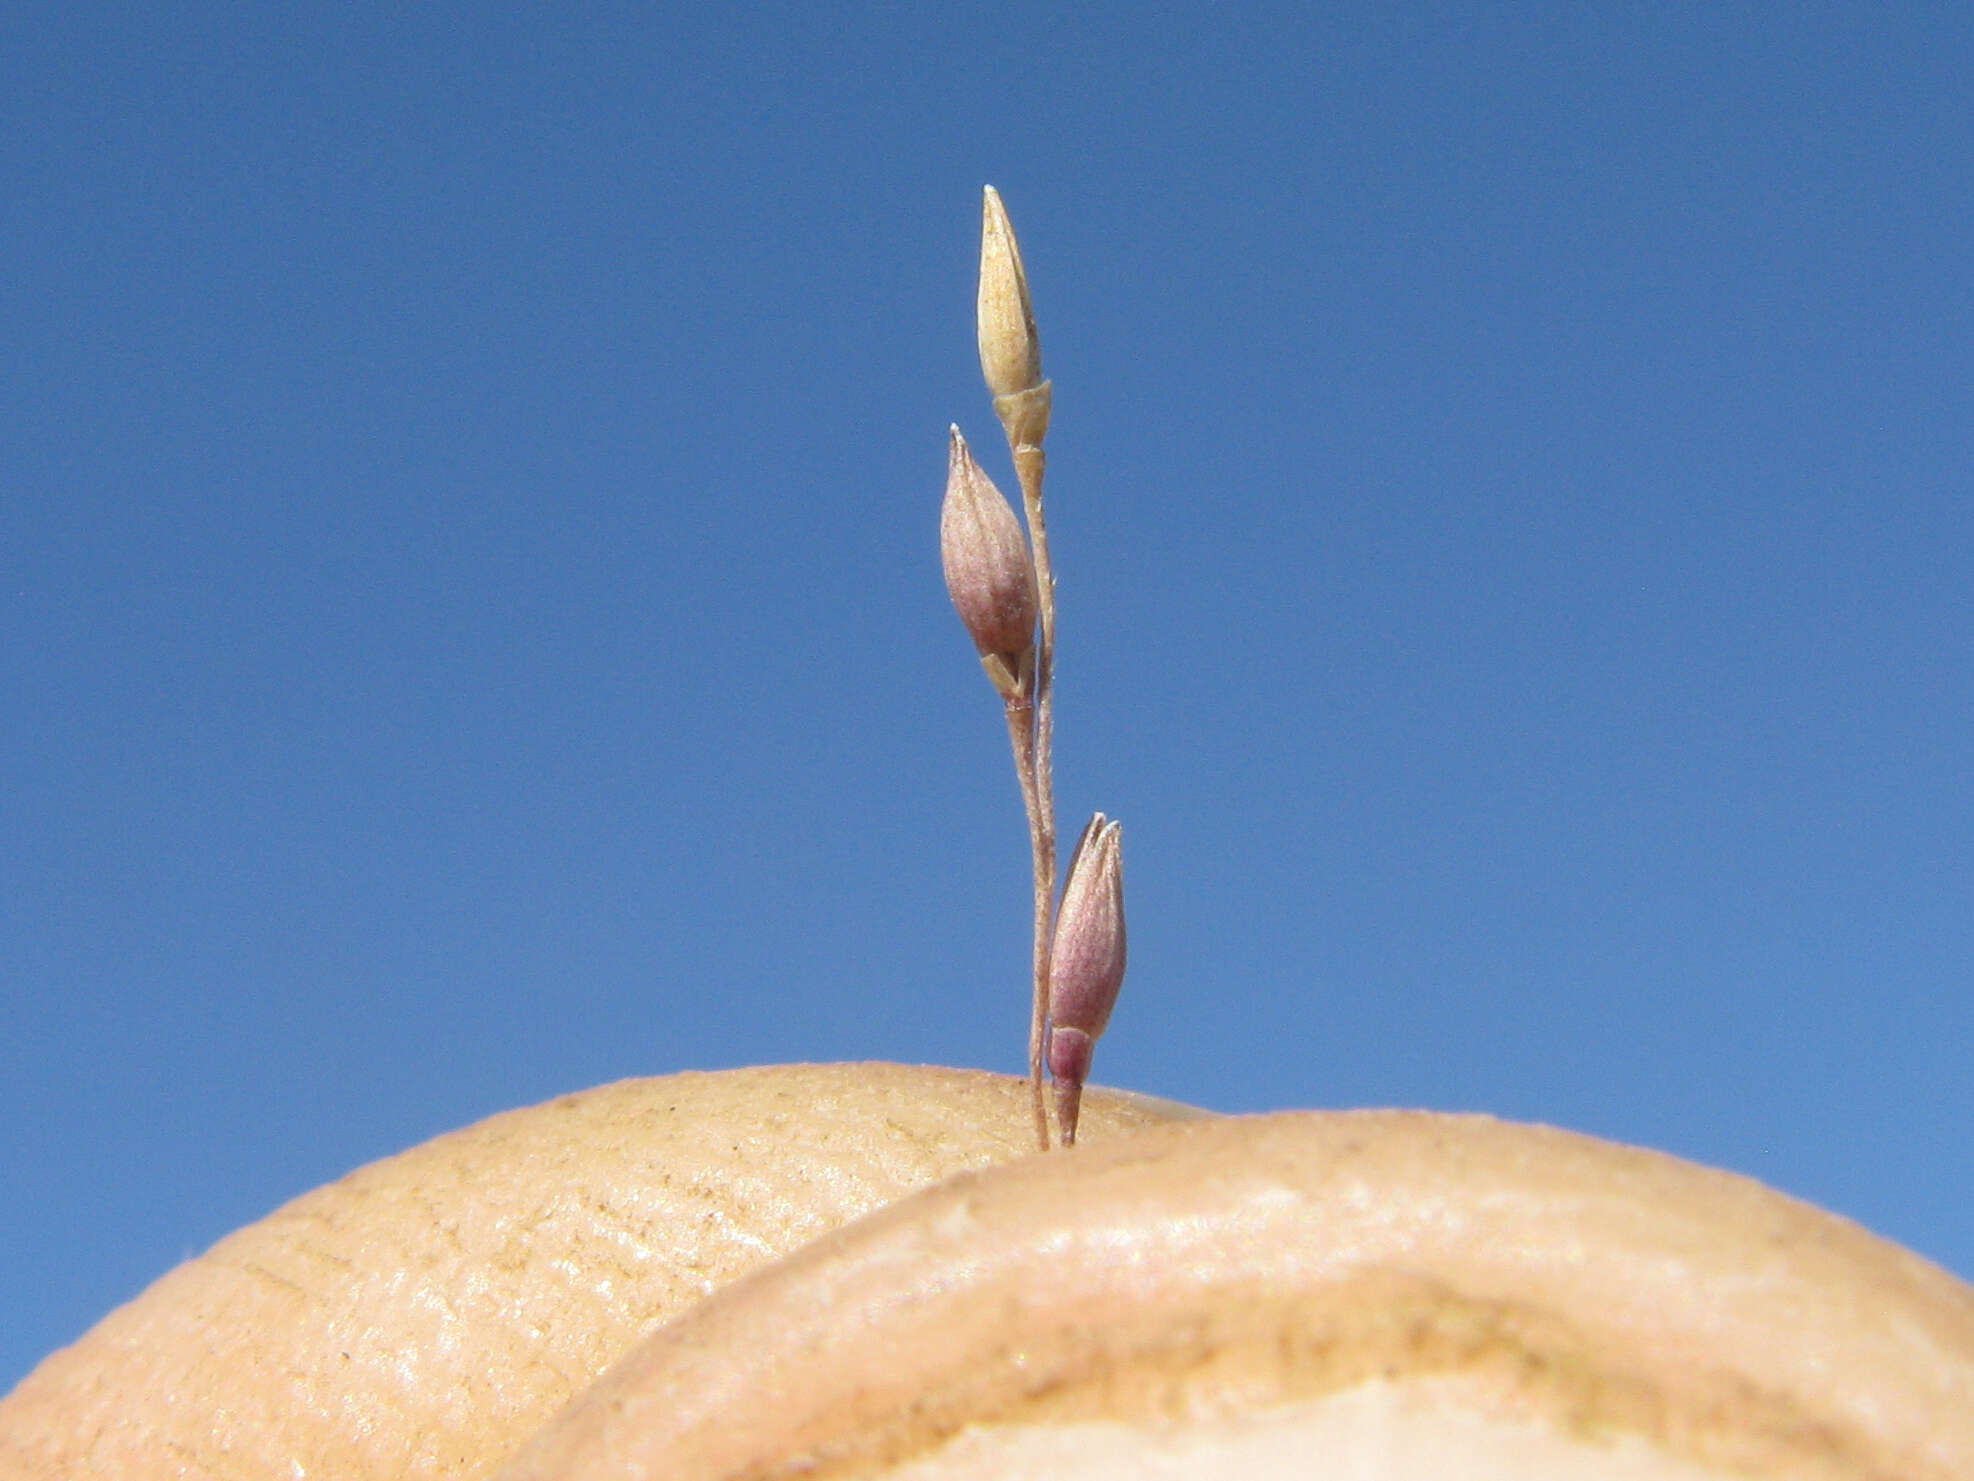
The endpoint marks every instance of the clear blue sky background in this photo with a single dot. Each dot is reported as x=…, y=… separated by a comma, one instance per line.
x=473, y=626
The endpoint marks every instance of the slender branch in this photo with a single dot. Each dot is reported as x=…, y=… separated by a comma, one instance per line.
x=1011, y=362
x=1041, y=839
x=1029, y=464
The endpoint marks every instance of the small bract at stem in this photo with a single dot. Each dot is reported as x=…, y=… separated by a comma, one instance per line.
x=1086, y=965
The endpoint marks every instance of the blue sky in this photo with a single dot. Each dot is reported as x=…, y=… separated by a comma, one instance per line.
x=473, y=625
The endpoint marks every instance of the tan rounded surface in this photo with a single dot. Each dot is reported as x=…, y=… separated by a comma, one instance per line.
x=1375, y=1431
x=1270, y=1282
x=424, y=1314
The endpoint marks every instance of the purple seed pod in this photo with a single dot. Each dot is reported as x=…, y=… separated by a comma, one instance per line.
x=1086, y=965
x=989, y=572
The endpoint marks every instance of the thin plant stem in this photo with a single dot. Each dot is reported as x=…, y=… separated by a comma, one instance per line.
x=1029, y=463
x=1041, y=839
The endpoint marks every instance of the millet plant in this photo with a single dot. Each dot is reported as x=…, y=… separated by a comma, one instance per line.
x=1004, y=588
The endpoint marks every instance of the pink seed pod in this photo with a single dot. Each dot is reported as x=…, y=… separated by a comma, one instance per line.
x=1086, y=966
x=989, y=573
